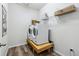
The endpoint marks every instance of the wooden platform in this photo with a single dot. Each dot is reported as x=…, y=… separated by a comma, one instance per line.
x=40, y=48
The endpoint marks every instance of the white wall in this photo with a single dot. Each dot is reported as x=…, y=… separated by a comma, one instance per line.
x=19, y=19
x=65, y=33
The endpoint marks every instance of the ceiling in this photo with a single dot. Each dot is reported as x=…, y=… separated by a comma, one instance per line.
x=36, y=6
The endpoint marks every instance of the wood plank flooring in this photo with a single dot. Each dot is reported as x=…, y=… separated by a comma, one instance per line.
x=24, y=50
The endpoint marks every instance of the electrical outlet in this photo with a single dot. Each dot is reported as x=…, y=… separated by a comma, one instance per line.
x=71, y=49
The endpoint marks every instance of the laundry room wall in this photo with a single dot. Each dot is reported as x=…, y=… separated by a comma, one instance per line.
x=19, y=19
x=64, y=29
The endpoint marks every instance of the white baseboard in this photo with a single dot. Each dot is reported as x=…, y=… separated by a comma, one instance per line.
x=58, y=53
x=15, y=45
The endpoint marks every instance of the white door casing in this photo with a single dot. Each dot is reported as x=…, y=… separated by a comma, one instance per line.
x=3, y=40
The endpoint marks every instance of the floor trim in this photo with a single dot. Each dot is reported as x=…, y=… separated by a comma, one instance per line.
x=16, y=45
x=58, y=53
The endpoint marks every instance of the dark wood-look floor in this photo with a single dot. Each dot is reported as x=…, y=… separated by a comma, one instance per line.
x=24, y=50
